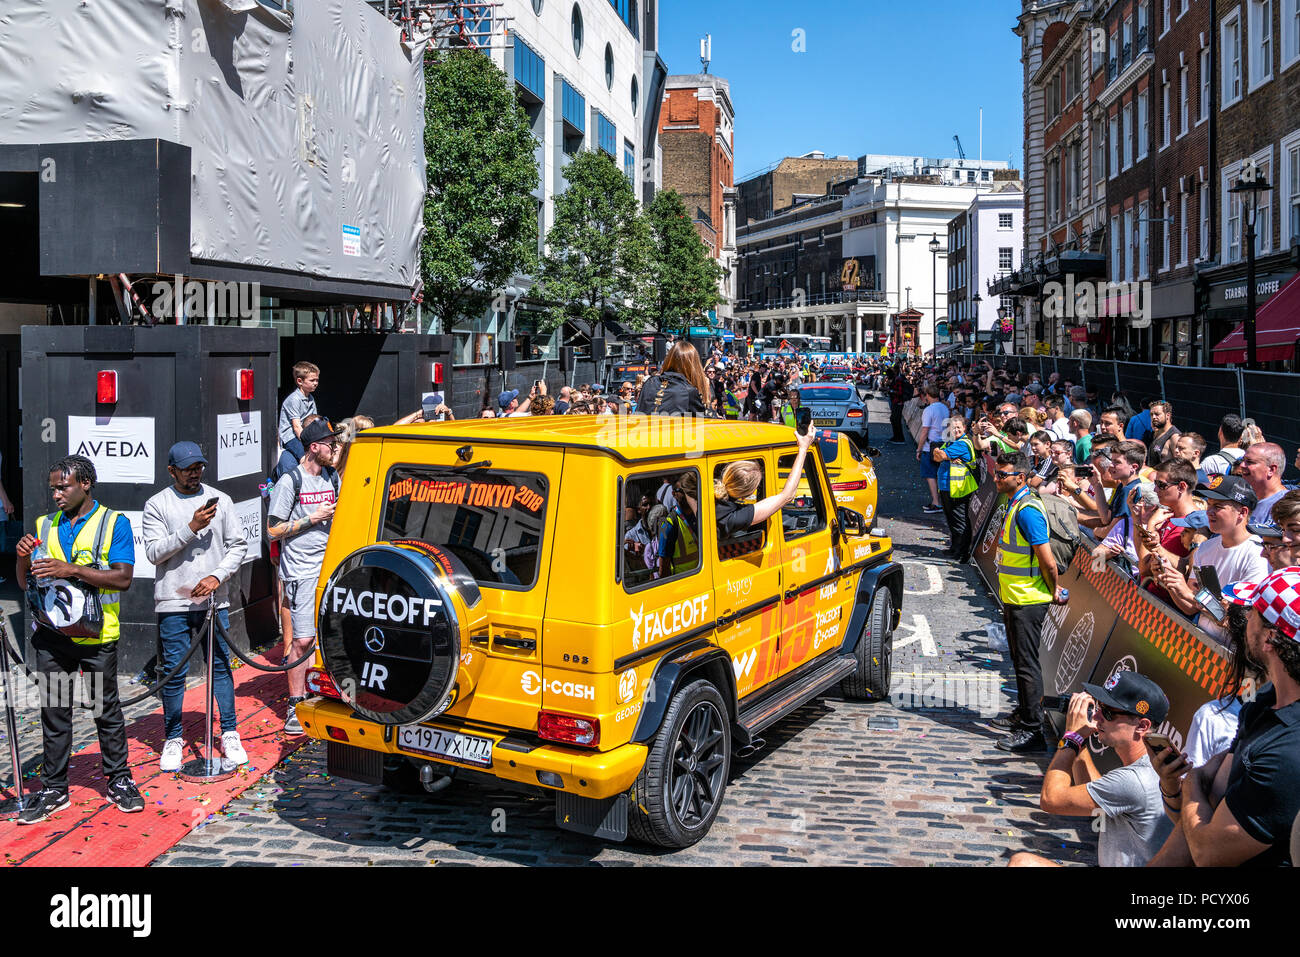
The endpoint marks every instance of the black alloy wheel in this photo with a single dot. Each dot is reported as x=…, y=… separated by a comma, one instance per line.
x=699, y=763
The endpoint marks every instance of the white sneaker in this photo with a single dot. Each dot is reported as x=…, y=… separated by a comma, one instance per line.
x=233, y=751
x=172, y=753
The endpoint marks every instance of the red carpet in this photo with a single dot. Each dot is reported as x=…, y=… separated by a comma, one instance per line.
x=94, y=833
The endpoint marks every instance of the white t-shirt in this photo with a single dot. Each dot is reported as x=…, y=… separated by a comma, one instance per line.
x=1212, y=730
x=1061, y=429
x=1221, y=462
x=932, y=419
x=1243, y=563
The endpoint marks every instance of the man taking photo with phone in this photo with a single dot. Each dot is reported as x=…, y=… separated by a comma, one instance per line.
x=194, y=539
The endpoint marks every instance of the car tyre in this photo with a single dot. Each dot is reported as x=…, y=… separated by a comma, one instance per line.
x=874, y=652
x=680, y=788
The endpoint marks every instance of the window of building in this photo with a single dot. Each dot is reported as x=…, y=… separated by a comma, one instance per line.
x=1203, y=211
x=1260, y=23
x=1183, y=237
x=1130, y=245
x=1098, y=153
x=1143, y=240
x=1004, y=221
x=1168, y=115
x=1126, y=51
x=1290, y=32
x=1182, y=101
x=1205, y=85
x=530, y=70
x=1004, y=257
x=606, y=135
x=1143, y=135
x=1143, y=27
x=1290, y=189
x=1114, y=144
x=1126, y=135
x=1116, y=262
x=609, y=67
x=575, y=22
x=634, y=19
x=1053, y=188
x=1230, y=55
x=537, y=6
x=1167, y=235
x=629, y=162
x=1234, y=220
x=1164, y=16
x=636, y=95
x=1112, y=66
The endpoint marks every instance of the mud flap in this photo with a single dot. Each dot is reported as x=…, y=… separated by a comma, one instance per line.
x=353, y=763
x=605, y=819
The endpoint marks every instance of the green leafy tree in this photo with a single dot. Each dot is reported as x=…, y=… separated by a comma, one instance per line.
x=597, y=248
x=683, y=277
x=480, y=219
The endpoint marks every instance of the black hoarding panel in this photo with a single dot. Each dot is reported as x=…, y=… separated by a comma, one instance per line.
x=1139, y=380
x=1099, y=374
x=1201, y=398
x=1272, y=400
x=1071, y=370
x=172, y=384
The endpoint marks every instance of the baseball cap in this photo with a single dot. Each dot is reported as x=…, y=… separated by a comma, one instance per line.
x=1035, y=388
x=184, y=454
x=1277, y=598
x=1131, y=693
x=1264, y=529
x=1197, y=519
x=505, y=398
x=1228, y=488
x=318, y=431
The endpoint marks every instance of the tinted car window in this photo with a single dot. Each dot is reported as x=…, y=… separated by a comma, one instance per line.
x=668, y=494
x=492, y=520
x=824, y=393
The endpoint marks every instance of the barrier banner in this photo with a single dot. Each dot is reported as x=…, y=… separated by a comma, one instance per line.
x=984, y=550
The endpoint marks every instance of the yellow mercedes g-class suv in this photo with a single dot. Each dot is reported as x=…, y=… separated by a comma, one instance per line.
x=549, y=601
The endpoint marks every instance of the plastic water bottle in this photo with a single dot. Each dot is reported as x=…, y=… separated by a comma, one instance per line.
x=1065, y=594
x=42, y=551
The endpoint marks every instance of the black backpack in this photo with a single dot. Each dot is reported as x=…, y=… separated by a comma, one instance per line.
x=296, y=476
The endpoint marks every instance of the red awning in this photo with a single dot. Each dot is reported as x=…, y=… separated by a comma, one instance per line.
x=1277, y=326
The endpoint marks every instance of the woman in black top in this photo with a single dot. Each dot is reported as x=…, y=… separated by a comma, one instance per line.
x=680, y=389
x=740, y=480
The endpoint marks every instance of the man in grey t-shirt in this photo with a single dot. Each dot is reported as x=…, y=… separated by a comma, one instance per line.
x=1131, y=822
x=300, y=512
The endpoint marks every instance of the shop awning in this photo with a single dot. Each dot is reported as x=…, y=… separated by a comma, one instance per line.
x=1277, y=326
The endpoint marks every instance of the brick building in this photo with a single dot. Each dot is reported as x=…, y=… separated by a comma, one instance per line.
x=791, y=181
x=697, y=136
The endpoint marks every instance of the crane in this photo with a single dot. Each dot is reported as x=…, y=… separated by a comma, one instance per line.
x=960, y=152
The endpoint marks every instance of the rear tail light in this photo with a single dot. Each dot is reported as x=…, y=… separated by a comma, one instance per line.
x=338, y=734
x=848, y=486
x=568, y=729
x=319, y=682
x=855, y=413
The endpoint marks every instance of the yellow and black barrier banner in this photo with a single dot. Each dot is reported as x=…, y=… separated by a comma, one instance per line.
x=1112, y=624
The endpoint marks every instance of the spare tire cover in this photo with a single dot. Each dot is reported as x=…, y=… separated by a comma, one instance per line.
x=393, y=620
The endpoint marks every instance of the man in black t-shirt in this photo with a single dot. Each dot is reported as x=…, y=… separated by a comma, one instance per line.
x=1239, y=808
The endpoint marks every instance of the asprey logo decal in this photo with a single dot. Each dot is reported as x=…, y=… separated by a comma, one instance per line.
x=532, y=683
x=650, y=625
x=381, y=607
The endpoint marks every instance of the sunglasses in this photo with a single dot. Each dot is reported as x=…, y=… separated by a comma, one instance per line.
x=1004, y=475
x=1111, y=715
x=1164, y=485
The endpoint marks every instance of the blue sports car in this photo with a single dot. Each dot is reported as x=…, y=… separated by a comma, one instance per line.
x=836, y=406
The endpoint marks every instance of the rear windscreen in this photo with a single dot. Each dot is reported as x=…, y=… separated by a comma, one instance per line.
x=825, y=394
x=492, y=520
x=829, y=443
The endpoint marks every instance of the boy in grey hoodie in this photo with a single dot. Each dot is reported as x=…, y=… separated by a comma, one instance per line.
x=196, y=547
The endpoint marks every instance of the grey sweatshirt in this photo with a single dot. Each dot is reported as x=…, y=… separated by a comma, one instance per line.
x=183, y=559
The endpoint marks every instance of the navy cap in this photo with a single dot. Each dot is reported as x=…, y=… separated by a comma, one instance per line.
x=1132, y=693
x=184, y=454
x=1264, y=529
x=1228, y=488
x=1199, y=519
x=505, y=398
x=318, y=430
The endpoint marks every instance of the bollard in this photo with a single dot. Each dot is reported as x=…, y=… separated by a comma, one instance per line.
x=11, y=722
x=207, y=769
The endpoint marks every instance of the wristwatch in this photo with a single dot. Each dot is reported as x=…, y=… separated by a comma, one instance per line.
x=1073, y=740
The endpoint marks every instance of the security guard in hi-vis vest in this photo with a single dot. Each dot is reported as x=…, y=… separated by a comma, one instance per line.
x=1026, y=585
x=679, y=538
x=74, y=570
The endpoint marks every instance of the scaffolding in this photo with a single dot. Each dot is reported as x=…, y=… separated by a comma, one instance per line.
x=448, y=25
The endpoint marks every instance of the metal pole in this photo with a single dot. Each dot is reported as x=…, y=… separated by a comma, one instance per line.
x=11, y=722
x=1249, y=325
x=208, y=767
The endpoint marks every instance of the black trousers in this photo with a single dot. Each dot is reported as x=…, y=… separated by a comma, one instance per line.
x=957, y=511
x=1024, y=625
x=896, y=420
x=60, y=657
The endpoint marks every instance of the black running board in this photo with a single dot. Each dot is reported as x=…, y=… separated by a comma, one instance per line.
x=772, y=709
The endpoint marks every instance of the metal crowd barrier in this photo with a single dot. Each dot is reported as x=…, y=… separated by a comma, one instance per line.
x=1110, y=624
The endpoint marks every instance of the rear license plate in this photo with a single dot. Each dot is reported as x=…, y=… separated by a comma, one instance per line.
x=467, y=748
x=825, y=421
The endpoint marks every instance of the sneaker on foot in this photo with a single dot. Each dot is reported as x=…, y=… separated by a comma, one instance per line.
x=124, y=794
x=233, y=751
x=42, y=804
x=291, y=723
x=172, y=753
x=1009, y=722
x=1022, y=741
x=931, y=509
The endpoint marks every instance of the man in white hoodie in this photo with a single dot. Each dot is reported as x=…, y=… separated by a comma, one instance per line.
x=194, y=539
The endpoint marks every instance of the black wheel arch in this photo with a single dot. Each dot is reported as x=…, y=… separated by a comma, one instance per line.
x=677, y=669
x=885, y=575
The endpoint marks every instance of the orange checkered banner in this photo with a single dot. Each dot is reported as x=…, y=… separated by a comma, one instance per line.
x=1112, y=624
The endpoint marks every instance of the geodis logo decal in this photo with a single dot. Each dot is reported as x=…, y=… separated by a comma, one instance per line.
x=465, y=492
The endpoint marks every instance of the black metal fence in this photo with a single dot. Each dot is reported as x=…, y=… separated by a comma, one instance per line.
x=1201, y=397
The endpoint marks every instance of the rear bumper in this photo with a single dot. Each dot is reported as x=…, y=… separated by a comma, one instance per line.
x=592, y=774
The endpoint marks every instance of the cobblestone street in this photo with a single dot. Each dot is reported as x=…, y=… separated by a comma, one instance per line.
x=914, y=781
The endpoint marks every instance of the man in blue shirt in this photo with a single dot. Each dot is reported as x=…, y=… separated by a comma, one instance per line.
x=1139, y=427
x=85, y=550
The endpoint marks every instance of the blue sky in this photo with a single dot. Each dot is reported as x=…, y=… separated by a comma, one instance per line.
x=875, y=77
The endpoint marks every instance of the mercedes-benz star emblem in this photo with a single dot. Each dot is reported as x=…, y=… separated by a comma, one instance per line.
x=374, y=639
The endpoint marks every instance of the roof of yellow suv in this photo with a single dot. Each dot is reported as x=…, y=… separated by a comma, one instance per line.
x=634, y=438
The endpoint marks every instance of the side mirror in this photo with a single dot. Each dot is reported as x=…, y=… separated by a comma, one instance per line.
x=873, y=452
x=851, y=522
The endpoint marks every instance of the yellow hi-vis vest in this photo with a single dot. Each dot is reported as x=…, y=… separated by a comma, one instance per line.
x=1019, y=579
x=95, y=536
x=960, y=480
x=686, y=547
x=787, y=415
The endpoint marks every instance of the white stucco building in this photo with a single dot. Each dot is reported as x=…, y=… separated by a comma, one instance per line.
x=985, y=243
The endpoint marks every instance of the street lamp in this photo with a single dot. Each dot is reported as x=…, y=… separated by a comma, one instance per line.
x=1249, y=187
x=934, y=293
x=975, y=301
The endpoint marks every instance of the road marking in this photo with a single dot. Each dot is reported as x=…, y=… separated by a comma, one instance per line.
x=935, y=582
x=920, y=629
